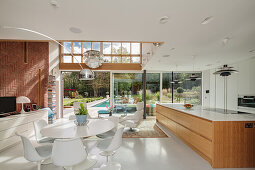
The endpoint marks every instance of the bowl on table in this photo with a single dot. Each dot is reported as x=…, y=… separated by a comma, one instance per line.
x=188, y=106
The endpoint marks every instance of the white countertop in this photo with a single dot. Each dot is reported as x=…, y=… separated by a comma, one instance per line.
x=210, y=115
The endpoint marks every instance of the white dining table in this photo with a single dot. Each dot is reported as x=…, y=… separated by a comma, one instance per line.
x=68, y=129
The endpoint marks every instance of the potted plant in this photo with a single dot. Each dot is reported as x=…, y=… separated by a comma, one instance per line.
x=81, y=115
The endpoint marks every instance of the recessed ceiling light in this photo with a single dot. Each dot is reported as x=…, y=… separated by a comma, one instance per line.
x=163, y=20
x=252, y=51
x=166, y=56
x=75, y=30
x=225, y=40
x=207, y=20
x=54, y=3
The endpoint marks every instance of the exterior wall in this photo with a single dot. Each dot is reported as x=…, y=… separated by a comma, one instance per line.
x=20, y=79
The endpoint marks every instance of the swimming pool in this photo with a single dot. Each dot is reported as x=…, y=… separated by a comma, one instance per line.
x=103, y=104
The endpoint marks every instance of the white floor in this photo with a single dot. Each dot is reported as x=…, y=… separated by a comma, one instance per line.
x=135, y=154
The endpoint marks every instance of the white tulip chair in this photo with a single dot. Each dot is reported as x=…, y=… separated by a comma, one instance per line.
x=71, y=154
x=72, y=117
x=112, y=132
x=35, y=154
x=109, y=147
x=38, y=126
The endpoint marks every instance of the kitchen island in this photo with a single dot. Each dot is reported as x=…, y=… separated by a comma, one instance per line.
x=224, y=140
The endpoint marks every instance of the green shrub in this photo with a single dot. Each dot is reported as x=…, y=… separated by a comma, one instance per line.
x=169, y=95
x=180, y=90
x=157, y=96
x=69, y=102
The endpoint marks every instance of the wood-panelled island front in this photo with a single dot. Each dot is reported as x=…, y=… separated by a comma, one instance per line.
x=224, y=140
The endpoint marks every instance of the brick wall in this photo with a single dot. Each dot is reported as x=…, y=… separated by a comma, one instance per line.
x=20, y=79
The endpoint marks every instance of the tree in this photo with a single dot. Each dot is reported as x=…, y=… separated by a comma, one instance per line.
x=179, y=93
x=100, y=84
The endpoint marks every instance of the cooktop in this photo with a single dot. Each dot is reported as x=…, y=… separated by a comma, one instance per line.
x=226, y=111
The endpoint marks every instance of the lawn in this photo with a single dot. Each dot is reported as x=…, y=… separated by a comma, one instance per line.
x=69, y=102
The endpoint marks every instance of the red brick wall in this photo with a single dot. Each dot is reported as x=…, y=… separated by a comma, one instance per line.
x=20, y=79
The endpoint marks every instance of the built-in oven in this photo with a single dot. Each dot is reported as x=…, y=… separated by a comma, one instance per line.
x=246, y=101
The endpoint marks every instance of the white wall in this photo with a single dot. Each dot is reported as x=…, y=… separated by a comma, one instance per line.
x=206, y=86
x=242, y=83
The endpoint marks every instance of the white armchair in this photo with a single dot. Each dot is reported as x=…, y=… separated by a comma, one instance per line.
x=132, y=121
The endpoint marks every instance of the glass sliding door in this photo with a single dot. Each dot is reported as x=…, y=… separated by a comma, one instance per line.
x=166, y=88
x=188, y=91
x=127, y=92
x=152, y=92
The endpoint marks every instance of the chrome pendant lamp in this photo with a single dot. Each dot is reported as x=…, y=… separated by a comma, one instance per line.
x=193, y=76
x=224, y=72
x=176, y=81
x=84, y=74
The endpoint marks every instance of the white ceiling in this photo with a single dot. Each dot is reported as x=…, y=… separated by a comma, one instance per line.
x=138, y=20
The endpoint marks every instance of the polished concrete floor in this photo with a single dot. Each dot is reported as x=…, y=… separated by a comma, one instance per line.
x=134, y=154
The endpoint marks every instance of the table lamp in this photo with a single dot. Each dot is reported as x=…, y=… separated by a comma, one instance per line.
x=22, y=99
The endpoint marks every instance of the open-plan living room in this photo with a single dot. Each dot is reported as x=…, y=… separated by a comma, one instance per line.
x=127, y=85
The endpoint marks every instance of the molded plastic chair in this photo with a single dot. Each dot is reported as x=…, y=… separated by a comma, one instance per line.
x=112, y=132
x=70, y=153
x=132, y=121
x=72, y=117
x=38, y=125
x=109, y=147
x=35, y=154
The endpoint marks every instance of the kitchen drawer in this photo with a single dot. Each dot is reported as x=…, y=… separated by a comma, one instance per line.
x=168, y=123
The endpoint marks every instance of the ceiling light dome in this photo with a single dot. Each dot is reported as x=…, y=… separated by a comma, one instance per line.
x=163, y=20
x=86, y=74
x=93, y=58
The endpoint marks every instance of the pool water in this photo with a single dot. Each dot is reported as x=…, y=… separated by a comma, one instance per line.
x=103, y=104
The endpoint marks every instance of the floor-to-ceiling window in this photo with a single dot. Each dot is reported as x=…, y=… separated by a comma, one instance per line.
x=127, y=89
x=186, y=90
x=167, y=88
x=176, y=88
x=152, y=92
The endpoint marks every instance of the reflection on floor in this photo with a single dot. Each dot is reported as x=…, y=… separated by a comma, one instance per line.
x=134, y=154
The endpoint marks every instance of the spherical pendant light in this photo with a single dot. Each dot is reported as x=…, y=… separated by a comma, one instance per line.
x=86, y=74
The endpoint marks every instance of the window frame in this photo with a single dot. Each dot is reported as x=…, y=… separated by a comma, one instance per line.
x=130, y=55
